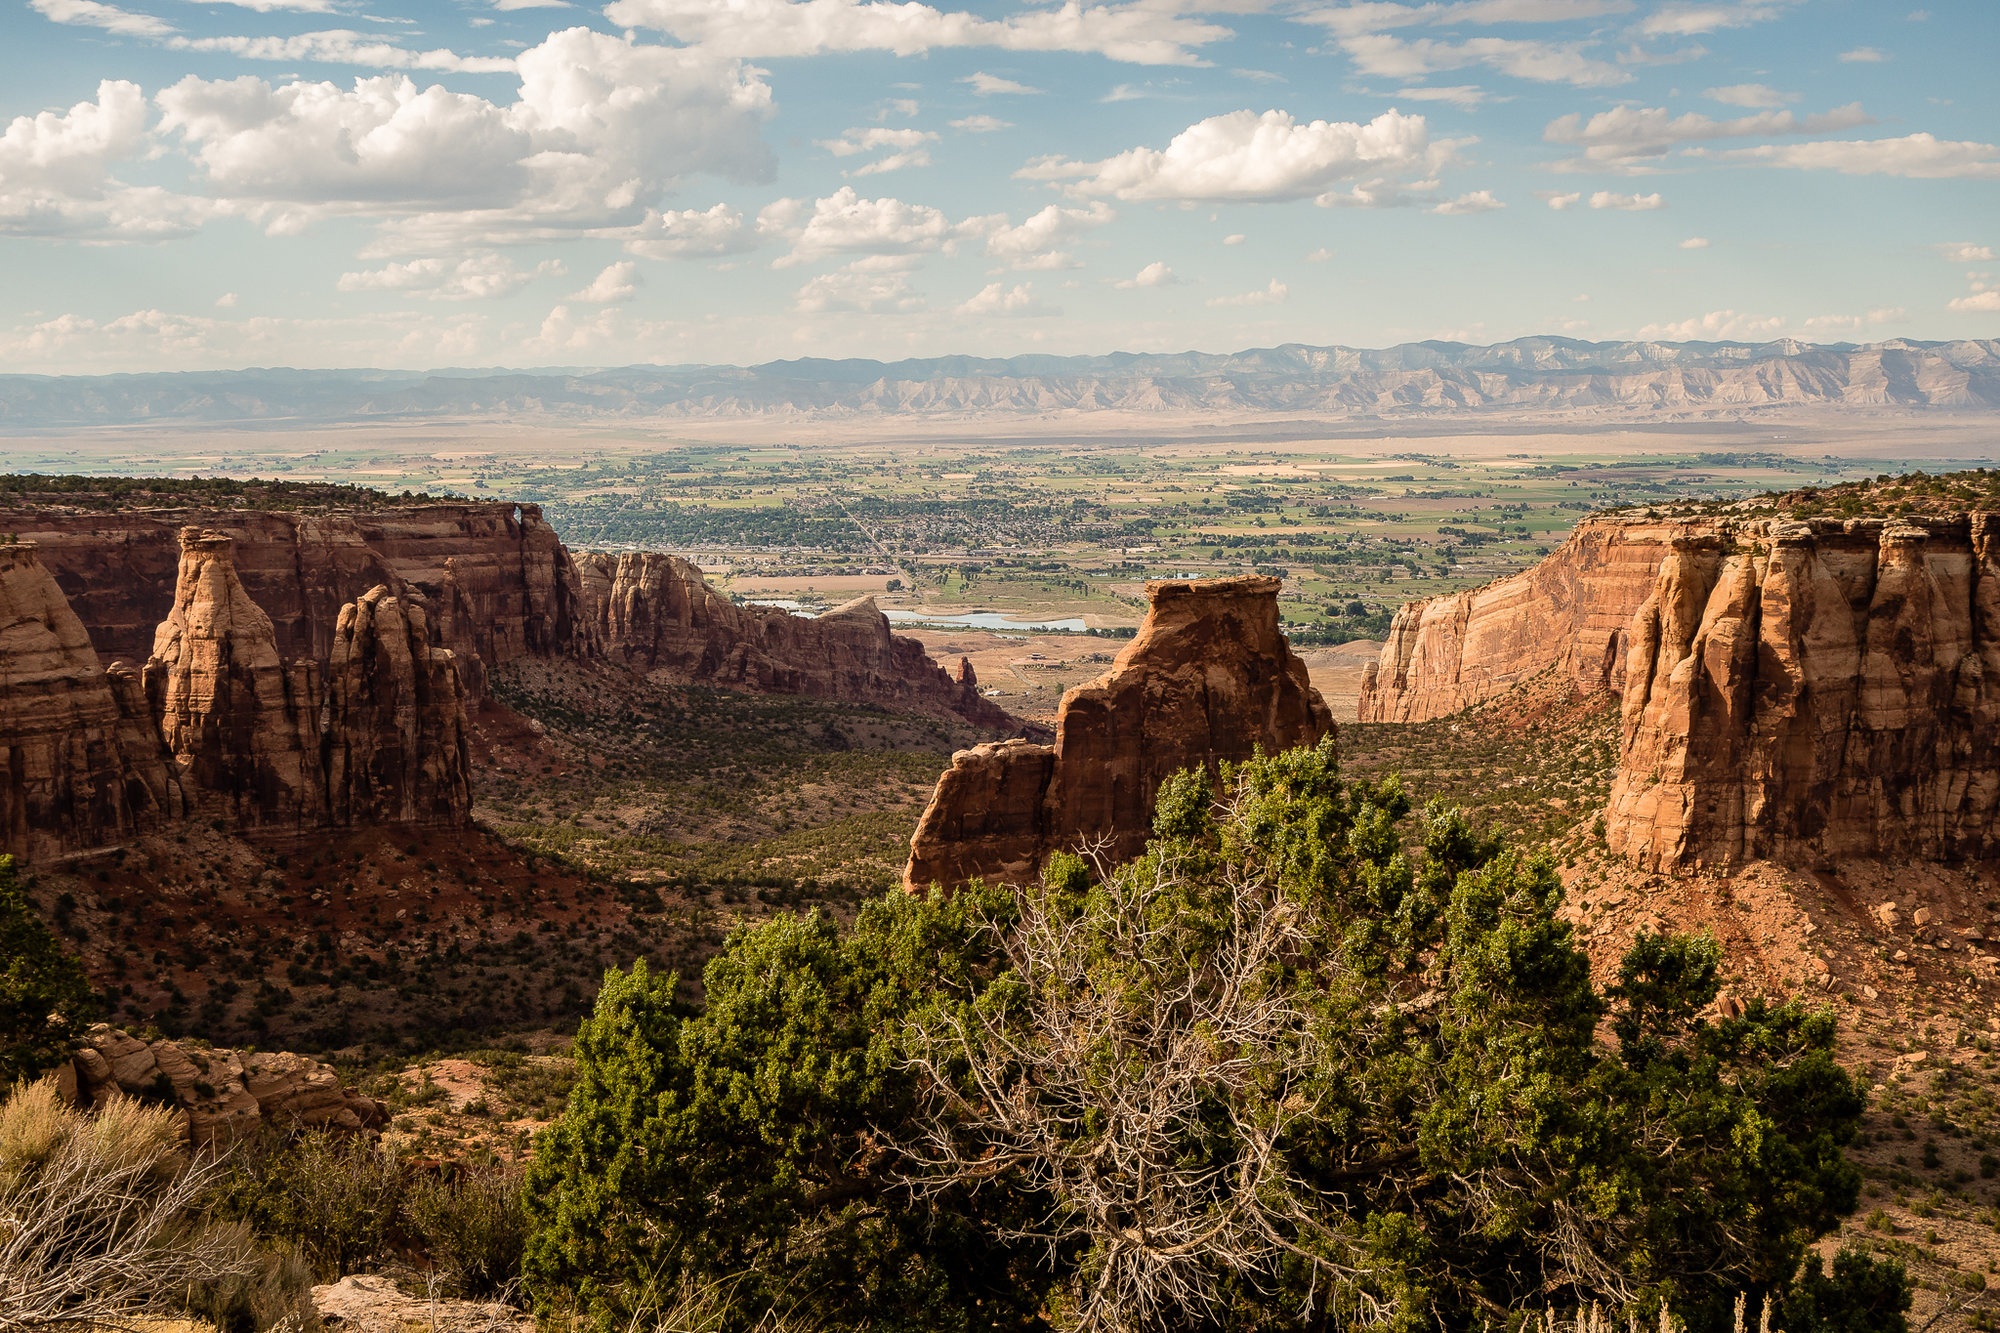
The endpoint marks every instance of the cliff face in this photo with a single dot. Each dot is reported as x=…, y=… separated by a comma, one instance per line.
x=1210, y=677
x=80, y=762
x=1804, y=691
x=218, y=726
x=499, y=578
x=655, y=612
x=1572, y=611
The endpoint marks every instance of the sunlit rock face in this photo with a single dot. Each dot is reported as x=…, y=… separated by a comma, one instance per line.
x=1209, y=678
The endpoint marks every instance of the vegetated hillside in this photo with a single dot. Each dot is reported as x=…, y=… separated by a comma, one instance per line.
x=1539, y=373
x=1908, y=494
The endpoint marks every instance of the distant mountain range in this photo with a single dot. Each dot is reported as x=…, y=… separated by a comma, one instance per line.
x=1557, y=375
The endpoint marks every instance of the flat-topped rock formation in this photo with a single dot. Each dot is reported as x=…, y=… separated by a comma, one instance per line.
x=655, y=612
x=1809, y=691
x=1571, y=611
x=500, y=581
x=1209, y=678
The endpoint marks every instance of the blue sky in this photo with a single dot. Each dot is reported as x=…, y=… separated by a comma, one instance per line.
x=498, y=182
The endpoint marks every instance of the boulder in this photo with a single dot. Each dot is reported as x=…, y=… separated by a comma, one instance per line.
x=1209, y=678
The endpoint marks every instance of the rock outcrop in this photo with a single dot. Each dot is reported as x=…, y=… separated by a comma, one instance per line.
x=655, y=612
x=395, y=744
x=80, y=761
x=1210, y=677
x=225, y=1095
x=1571, y=612
x=219, y=726
x=240, y=722
x=1808, y=691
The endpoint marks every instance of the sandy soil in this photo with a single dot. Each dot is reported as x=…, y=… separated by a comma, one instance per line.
x=1336, y=674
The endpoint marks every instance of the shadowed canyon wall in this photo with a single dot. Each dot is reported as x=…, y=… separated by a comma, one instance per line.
x=1210, y=677
x=218, y=725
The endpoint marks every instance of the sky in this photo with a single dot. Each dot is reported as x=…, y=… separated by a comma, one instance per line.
x=424, y=183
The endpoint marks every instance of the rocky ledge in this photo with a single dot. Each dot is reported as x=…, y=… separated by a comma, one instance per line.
x=225, y=1095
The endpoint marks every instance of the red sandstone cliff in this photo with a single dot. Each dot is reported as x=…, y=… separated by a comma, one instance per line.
x=1792, y=691
x=500, y=580
x=80, y=760
x=1806, y=691
x=1571, y=611
x=655, y=612
x=220, y=727
x=1210, y=677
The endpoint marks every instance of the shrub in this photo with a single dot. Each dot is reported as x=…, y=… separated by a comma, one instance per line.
x=337, y=1197
x=100, y=1216
x=1273, y=1074
x=473, y=1229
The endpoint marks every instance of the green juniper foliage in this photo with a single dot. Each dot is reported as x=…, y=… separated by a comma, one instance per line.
x=45, y=999
x=1274, y=1074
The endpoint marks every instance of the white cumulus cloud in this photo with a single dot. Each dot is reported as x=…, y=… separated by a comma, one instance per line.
x=1624, y=136
x=1918, y=156
x=601, y=128
x=1247, y=157
x=1695, y=243
x=56, y=174
x=1037, y=243
x=1756, y=96
x=900, y=148
x=1479, y=201
x=1627, y=203
x=474, y=278
x=843, y=223
x=341, y=46
x=1963, y=252
x=992, y=85
x=981, y=124
x=618, y=282
x=1538, y=62
x=1155, y=274
x=91, y=14
x=1274, y=294
x=1715, y=326
x=1863, y=55
x=999, y=300
x=1136, y=33
x=690, y=234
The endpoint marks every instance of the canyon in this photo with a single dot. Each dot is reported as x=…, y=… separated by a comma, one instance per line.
x=655, y=613
x=290, y=672
x=494, y=584
x=1209, y=679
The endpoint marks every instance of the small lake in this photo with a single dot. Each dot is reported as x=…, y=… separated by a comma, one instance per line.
x=966, y=620
x=981, y=620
